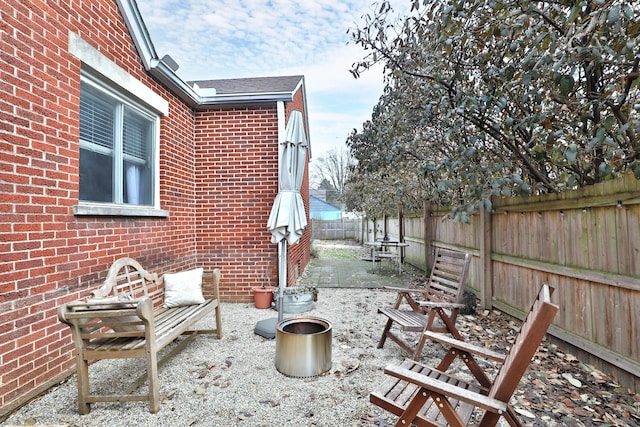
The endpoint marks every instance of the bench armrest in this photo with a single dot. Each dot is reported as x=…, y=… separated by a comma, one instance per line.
x=215, y=274
x=465, y=346
x=81, y=312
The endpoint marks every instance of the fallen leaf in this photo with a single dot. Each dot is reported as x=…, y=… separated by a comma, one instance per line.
x=352, y=368
x=269, y=402
x=168, y=396
x=244, y=415
x=573, y=381
x=524, y=413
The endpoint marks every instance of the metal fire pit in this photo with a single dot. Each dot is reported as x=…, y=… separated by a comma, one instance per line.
x=303, y=346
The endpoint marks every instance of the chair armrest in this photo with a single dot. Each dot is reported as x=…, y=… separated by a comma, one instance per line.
x=405, y=290
x=446, y=389
x=438, y=304
x=465, y=346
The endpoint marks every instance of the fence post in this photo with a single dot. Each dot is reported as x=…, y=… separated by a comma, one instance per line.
x=384, y=226
x=427, y=236
x=486, y=275
x=401, y=232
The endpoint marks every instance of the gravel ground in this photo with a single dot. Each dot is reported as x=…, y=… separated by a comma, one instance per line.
x=234, y=382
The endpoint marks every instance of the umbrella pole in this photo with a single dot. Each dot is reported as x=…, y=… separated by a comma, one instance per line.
x=282, y=275
x=267, y=327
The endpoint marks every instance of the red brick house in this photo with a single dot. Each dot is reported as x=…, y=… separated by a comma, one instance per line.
x=105, y=152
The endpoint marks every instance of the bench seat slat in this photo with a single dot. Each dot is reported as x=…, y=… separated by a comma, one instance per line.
x=168, y=326
x=409, y=320
x=396, y=394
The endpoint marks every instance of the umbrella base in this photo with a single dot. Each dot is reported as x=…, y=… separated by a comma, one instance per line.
x=266, y=328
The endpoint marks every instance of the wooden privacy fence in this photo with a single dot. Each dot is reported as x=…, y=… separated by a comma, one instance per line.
x=338, y=229
x=584, y=243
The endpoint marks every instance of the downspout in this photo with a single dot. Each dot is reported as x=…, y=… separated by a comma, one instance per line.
x=281, y=124
x=282, y=244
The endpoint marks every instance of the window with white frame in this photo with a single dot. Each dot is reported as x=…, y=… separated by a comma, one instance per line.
x=118, y=139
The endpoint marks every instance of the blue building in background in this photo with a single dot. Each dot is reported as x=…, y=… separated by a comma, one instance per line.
x=319, y=209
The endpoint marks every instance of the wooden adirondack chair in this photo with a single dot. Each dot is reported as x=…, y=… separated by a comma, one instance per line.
x=434, y=308
x=426, y=396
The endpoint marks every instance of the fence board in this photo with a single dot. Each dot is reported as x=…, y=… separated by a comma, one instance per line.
x=633, y=241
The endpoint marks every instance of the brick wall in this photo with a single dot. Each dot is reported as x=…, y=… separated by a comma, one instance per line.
x=237, y=181
x=237, y=163
x=48, y=255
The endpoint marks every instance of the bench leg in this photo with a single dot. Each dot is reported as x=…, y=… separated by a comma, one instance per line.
x=154, y=389
x=82, y=369
x=218, y=322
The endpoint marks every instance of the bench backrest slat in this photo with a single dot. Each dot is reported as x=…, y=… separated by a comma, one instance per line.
x=127, y=277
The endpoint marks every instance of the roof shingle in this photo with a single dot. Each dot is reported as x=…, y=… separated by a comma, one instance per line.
x=251, y=85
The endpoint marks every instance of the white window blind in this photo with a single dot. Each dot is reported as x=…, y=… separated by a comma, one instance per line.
x=96, y=121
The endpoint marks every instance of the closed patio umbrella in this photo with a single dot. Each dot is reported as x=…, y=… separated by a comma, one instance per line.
x=288, y=219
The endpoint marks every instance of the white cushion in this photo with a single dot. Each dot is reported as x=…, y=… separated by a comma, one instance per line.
x=184, y=288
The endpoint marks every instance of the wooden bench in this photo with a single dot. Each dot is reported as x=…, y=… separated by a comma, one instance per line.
x=435, y=308
x=424, y=396
x=126, y=318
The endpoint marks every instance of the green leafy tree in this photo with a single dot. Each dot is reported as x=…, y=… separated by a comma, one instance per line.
x=502, y=97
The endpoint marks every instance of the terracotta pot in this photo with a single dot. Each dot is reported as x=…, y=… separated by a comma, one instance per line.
x=263, y=296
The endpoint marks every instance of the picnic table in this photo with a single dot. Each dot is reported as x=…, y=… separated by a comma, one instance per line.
x=381, y=249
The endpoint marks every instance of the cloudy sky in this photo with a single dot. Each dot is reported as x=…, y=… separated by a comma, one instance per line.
x=213, y=39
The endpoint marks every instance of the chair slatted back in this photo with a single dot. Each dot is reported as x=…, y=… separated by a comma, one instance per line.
x=448, y=276
x=531, y=333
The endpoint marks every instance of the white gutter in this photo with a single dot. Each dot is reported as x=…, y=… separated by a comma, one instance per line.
x=281, y=136
x=242, y=98
x=302, y=86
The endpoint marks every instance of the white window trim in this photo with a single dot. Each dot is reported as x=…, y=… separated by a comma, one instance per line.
x=105, y=69
x=112, y=209
x=118, y=76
